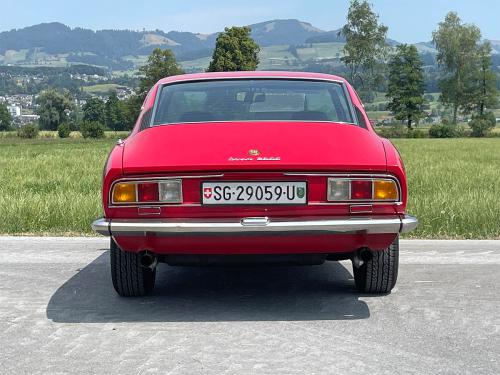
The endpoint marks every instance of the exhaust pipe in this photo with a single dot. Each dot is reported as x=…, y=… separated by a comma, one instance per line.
x=148, y=260
x=361, y=256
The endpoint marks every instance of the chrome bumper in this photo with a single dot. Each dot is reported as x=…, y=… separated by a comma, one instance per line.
x=260, y=225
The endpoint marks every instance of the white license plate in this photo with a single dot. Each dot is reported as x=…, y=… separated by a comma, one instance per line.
x=254, y=192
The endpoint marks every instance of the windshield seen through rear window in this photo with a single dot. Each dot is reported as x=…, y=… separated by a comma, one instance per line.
x=252, y=100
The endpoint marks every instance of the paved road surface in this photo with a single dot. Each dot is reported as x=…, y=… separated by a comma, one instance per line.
x=59, y=314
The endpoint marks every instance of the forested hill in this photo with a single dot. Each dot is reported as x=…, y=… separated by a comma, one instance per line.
x=56, y=38
x=111, y=48
x=56, y=44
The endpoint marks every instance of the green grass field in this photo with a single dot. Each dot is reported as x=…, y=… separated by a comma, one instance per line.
x=101, y=88
x=52, y=186
x=454, y=186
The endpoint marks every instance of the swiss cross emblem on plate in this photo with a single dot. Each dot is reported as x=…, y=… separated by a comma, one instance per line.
x=207, y=192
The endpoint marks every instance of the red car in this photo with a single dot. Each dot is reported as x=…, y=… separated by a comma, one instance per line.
x=250, y=167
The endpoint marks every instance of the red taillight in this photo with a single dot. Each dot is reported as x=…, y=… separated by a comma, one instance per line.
x=361, y=189
x=147, y=192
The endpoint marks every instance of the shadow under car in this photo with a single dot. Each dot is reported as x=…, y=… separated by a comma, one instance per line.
x=211, y=294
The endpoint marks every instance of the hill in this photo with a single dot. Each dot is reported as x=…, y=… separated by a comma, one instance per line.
x=55, y=43
x=286, y=43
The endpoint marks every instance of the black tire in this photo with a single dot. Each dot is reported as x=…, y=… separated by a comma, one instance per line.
x=130, y=279
x=379, y=274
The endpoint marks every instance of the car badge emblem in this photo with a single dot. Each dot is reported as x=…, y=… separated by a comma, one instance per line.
x=207, y=193
x=253, y=152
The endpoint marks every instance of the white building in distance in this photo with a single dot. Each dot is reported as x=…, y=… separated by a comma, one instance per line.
x=14, y=110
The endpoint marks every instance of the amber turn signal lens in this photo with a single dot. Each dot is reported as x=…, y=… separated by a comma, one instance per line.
x=385, y=190
x=124, y=193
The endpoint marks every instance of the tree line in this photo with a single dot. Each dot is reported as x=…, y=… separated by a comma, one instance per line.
x=467, y=82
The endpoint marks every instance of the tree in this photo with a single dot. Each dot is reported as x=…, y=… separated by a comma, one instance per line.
x=131, y=108
x=114, y=113
x=235, y=50
x=482, y=92
x=75, y=118
x=161, y=64
x=92, y=129
x=406, y=85
x=456, y=44
x=482, y=124
x=53, y=108
x=63, y=130
x=5, y=118
x=94, y=111
x=365, y=43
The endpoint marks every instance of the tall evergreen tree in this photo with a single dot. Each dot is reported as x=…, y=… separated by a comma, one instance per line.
x=235, y=50
x=483, y=92
x=406, y=85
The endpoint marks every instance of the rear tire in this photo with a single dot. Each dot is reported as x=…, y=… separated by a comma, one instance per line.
x=379, y=274
x=130, y=279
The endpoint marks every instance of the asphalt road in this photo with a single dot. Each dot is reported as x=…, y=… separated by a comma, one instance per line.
x=59, y=314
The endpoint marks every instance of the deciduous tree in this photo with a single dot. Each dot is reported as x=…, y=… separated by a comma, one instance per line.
x=235, y=50
x=114, y=113
x=5, y=118
x=457, y=53
x=365, y=44
x=161, y=64
x=406, y=85
x=94, y=111
x=53, y=108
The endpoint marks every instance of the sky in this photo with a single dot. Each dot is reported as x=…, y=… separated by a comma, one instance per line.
x=409, y=21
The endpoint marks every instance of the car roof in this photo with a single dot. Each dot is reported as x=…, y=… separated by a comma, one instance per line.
x=250, y=74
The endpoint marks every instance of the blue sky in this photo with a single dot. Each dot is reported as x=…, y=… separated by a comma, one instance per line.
x=408, y=20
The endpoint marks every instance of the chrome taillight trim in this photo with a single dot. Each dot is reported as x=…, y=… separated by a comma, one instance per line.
x=136, y=182
x=372, y=180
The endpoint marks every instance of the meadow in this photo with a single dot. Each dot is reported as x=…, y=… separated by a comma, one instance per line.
x=51, y=186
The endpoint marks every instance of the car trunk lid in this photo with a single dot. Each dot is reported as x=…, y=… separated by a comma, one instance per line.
x=253, y=146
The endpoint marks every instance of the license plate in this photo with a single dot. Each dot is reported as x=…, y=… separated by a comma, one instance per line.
x=254, y=192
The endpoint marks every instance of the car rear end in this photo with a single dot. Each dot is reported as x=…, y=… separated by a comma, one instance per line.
x=239, y=179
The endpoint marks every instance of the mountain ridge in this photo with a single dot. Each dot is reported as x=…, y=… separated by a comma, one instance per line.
x=115, y=49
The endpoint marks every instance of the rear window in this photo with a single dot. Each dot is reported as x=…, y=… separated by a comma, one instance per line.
x=252, y=100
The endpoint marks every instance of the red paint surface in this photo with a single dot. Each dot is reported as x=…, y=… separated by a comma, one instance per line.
x=296, y=244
